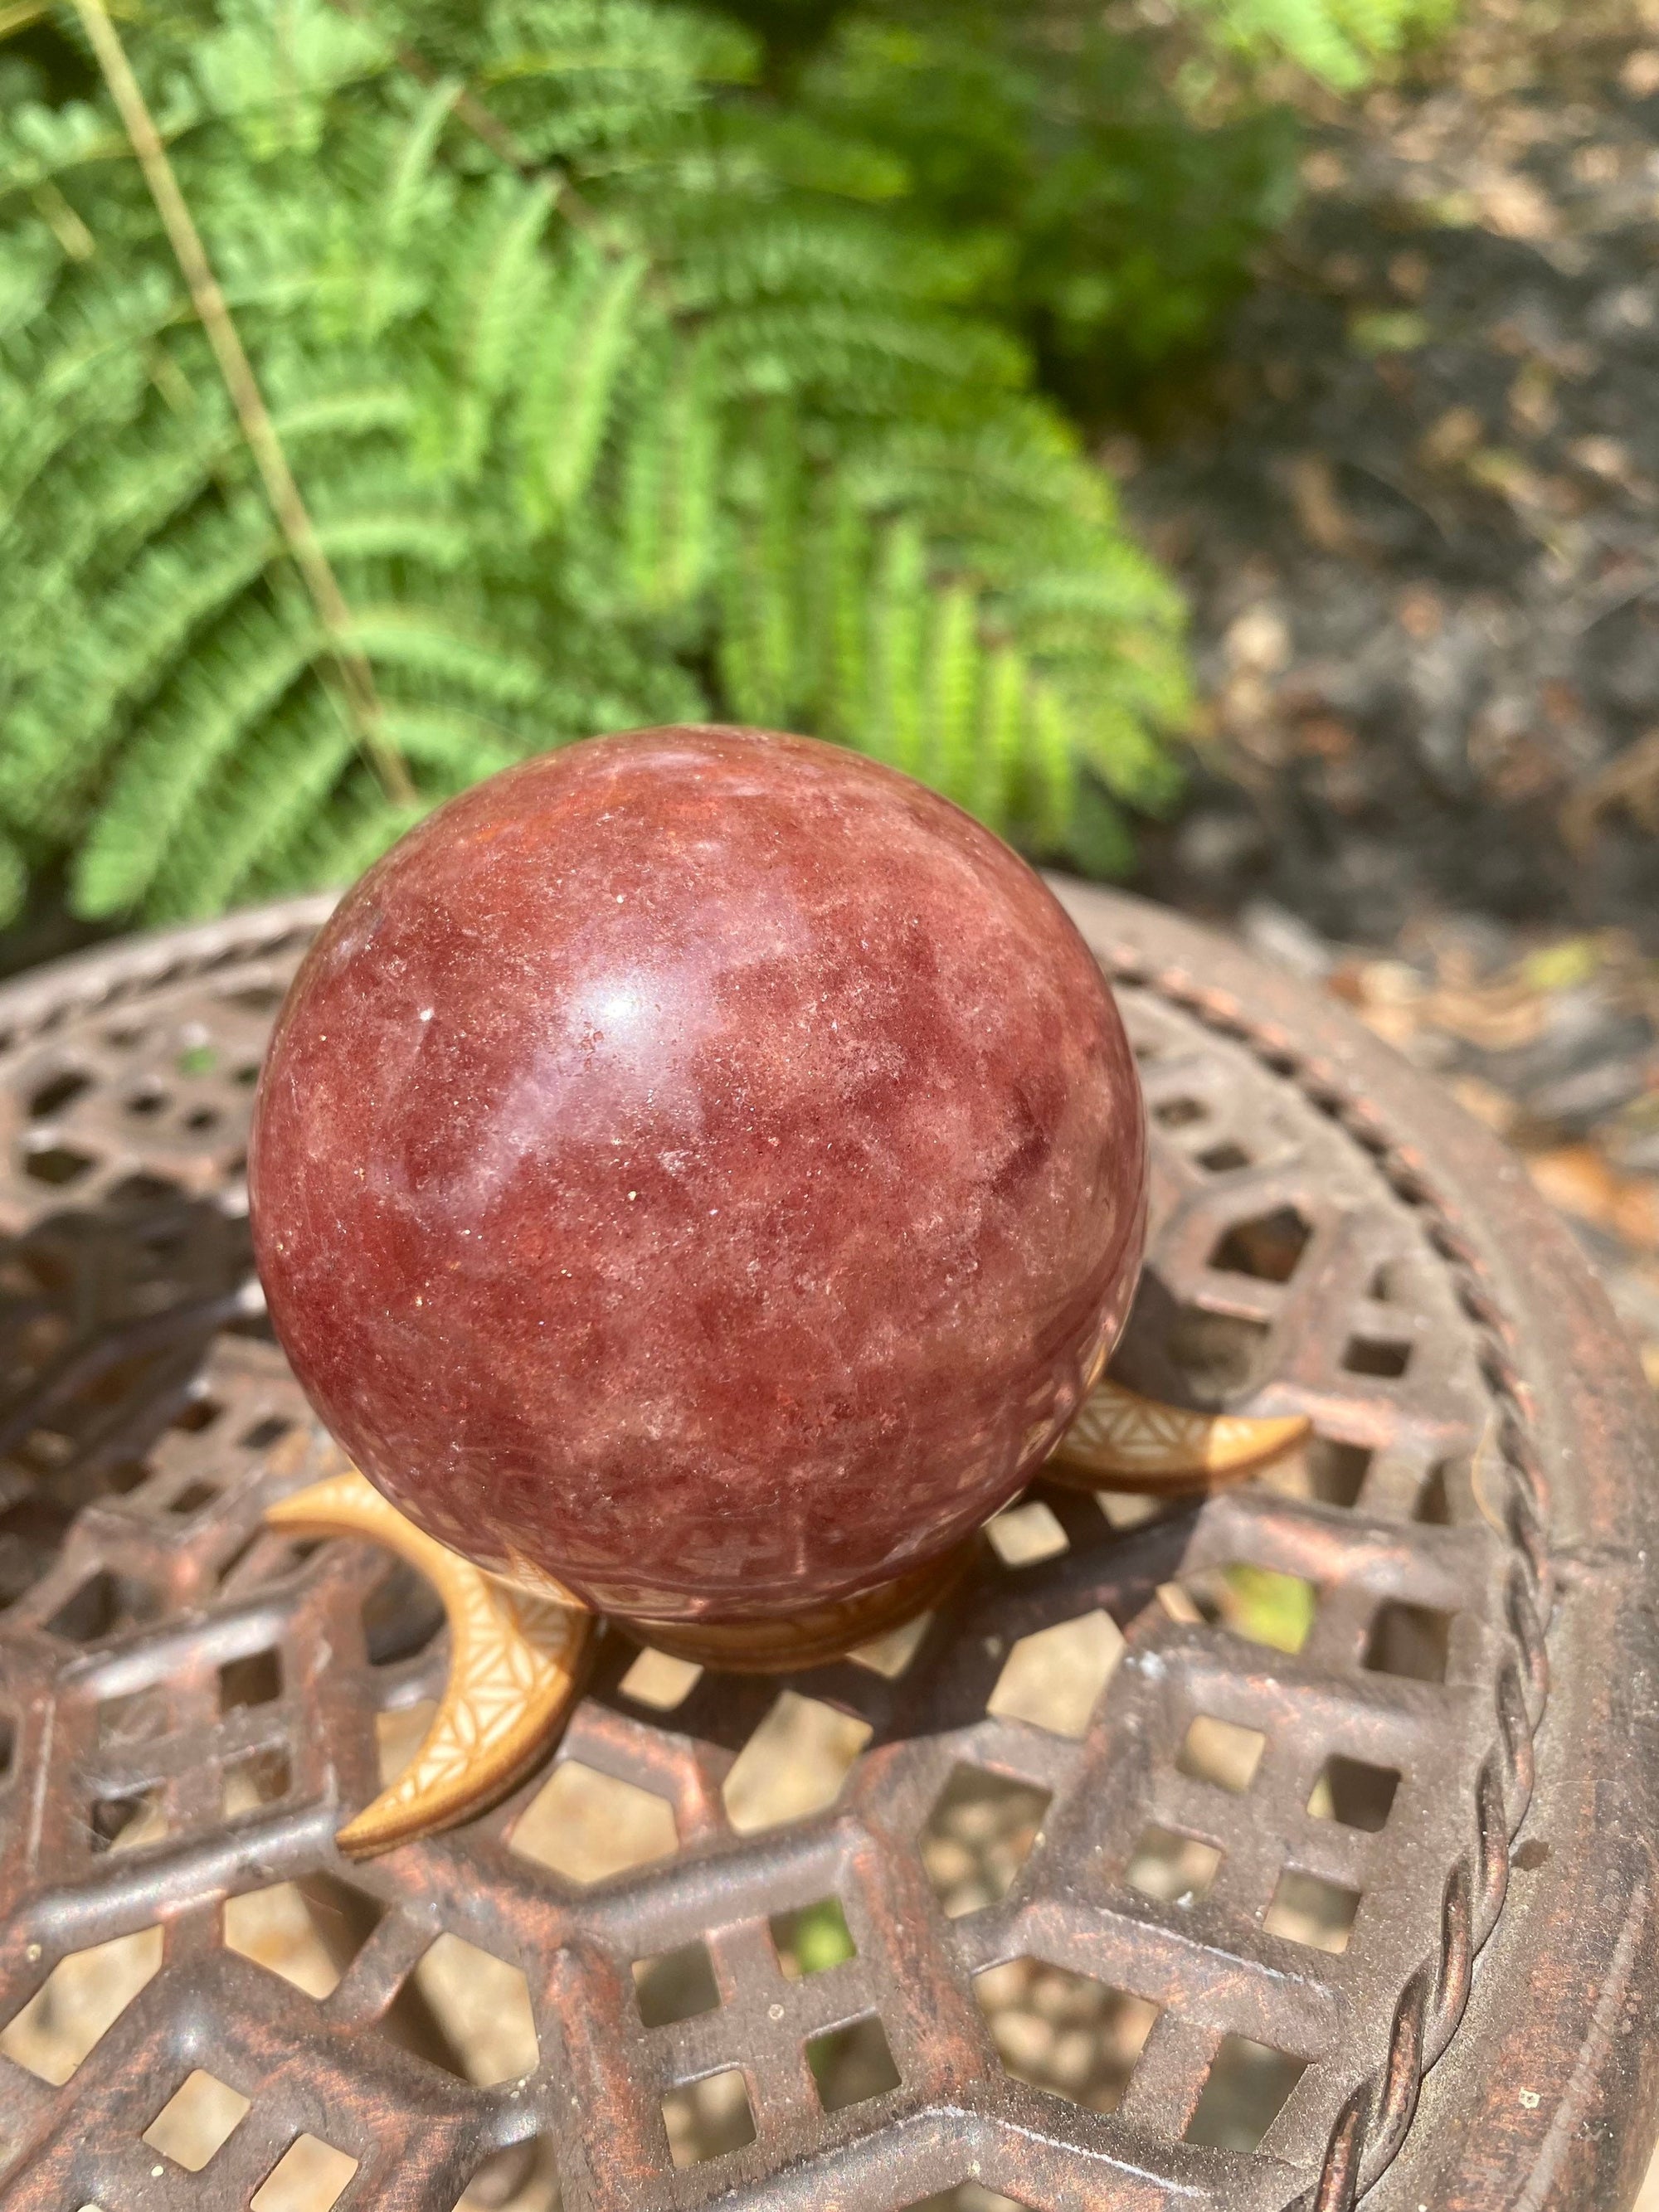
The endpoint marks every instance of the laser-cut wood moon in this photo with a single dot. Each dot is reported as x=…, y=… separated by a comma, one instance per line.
x=515, y=1653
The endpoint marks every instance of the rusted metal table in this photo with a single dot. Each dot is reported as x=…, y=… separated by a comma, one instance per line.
x=1244, y=1857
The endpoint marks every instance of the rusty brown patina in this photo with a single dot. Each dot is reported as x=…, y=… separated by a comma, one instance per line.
x=1329, y=1238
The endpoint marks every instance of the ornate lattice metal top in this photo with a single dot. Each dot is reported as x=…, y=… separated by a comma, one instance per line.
x=1151, y=1871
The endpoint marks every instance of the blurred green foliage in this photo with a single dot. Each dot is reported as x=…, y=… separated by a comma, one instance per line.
x=1108, y=224
x=635, y=363
x=1267, y=1606
x=818, y=1937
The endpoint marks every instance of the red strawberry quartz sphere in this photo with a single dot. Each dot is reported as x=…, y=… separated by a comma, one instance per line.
x=703, y=1166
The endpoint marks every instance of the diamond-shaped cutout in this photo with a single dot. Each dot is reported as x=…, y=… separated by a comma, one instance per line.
x=309, y=2177
x=1441, y=1485
x=127, y=1822
x=590, y=1827
x=197, y=2120
x=1355, y=1793
x=255, y=1778
x=1068, y=2033
x=979, y=1834
x=1258, y=1603
x=403, y=1616
x=708, y=2118
x=852, y=2064
x=57, y=1092
x=1268, y=1247
x=1307, y=1910
x=1054, y=1677
x=467, y=2011
x=1123, y=1510
x=888, y=1655
x=1221, y=1752
x=1223, y=1159
x=524, y=2177
x=145, y=1190
x=675, y=1985
x=1330, y=1471
x=812, y=1938
x=793, y=1765
x=1176, y=1869
x=1023, y=1535
x=1413, y=1641
x=265, y=1433
x=1385, y=1357
x=1336, y=1471
x=1243, y=2094
x=79, y=2001
x=1180, y=1113
x=102, y=1605
x=659, y=1681
x=192, y=1497
x=57, y=1165
x=1219, y=1355
x=308, y=1931
x=200, y=1410
x=255, y=1679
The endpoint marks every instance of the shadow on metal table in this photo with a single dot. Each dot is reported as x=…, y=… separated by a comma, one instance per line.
x=1245, y=1856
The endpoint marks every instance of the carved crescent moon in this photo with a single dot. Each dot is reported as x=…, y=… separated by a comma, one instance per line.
x=512, y=1669
x=1121, y=1441
x=514, y=1656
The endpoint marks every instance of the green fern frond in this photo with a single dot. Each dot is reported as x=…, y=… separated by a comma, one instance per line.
x=1051, y=742
x=353, y=410
x=875, y=362
x=570, y=386
x=447, y=747
x=88, y=364
x=410, y=196
x=685, y=425
x=489, y=318
x=415, y=531
x=94, y=520
x=218, y=705
x=271, y=72
x=955, y=669
x=336, y=847
x=257, y=803
x=996, y=794
x=892, y=722
x=138, y=633
x=429, y=644
x=46, y=145
x=670, y=452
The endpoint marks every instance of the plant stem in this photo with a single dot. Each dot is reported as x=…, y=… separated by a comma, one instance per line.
x=292, y=517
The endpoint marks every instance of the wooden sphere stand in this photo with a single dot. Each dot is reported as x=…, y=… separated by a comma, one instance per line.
x=516, y=1647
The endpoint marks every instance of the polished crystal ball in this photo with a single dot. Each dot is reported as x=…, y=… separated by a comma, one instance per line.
x=702, y=1167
